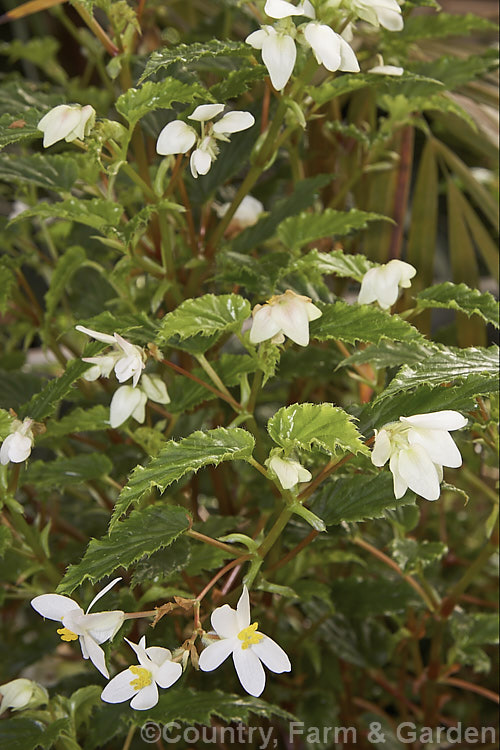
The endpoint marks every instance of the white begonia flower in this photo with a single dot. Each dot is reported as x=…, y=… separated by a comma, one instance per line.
x=250, y=649
x=21, y=693
x=382, y=284
x=91, y=629
x=141, y=682
x=283, y=315
x=278, y=45
x=289, y=472
x=246, y=215
x=67, y=122
x=417, y=448
x=127, y=359
x=17, y=446
x=178, y=137
x=155, y=389
x=386, y=13
x=127, y=402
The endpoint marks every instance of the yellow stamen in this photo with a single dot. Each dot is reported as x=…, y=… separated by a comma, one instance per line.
x=249, y=636
x=143, y=678
x=67, y=635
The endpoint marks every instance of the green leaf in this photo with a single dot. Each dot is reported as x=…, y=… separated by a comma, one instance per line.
x=297, y=231
x=5, y=422
x=176, y=459
x=73, y=259
x=16, y=386
x=143, y=532
x=28, y=734
x=460, y=297
x=426, y=399
x=390, y=354
x=207, y=315
x=136, y=103
x=43, y=404
x=14, y=128
x=7, y=282
x=442, y=25
x=79, y=420
x=47, y=171
x=5, y=540
x=67, y=471
x=412, y=556
x=185, y=55
x=97, y=213
x=337, y=262
x=351, y=323
x=161, y=565
x=304, y=195
x=357, y=498
x=236, y=82
x=320, y=425
x=446, y=365
x=383, y=596
x=475, y=629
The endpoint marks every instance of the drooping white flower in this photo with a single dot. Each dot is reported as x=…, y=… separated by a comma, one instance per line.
x=249, y=647
x=91, y=629
x=283, y=315
x=178, y=137
x=386, y=13
x=126, y=359
x=382, y=284
x=129, y=401
x=246, y=215
x=141, y=682
x=66, y=122
x=417, y=448
x=21, y=693
x=17, y=446
x=278, y=42
x=289, y=472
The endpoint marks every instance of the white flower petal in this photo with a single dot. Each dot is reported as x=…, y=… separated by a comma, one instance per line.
x=125, y=401
x=58, y=123
x=15, y=448
x=264, y=326
x=214, y=655
x=286, y=471
x=102, y=626
x=119, y=689
x=282, y=9
x=387, y=70
x=206, y=112
x=416, y=468
x=234, y=122
x=140, y=651
x=349, y=62
x=292, y=318
x=167, y=674
x=139, y=413
x=200, y=162
x=176, y=138
x=54, y=606
x=400, y=485
x=381, y=449
x=96, y=654
x=278, y=55
x=155, y=389
x=437, y=420
x=325, y=44
x=313, y=312
x=147, y=697
x=272, y=655
x=257, y=38
x=438, y=444
x=224, y=621
x=158, y=654
x=243, y=609
x=249, y=670
x=103, y=591
x=104, y=337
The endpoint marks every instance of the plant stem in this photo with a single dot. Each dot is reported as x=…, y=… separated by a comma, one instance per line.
x=451, y=600
x=214, y=542
x=221, y=572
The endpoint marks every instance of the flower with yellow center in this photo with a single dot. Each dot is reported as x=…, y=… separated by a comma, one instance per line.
x=92, y=629
x=250, y=649
x=140, y=682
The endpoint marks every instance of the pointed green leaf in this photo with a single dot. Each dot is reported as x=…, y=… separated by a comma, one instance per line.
x=73, y=259
x=411, y=555
x=460, y=297
x=143, y=532
x=187, y=54
x=48, y=171
x=65, y=471
x=446, y=365
x=207, y=315
x=78, y=420
x=357, y=498
x=338, y=263
x=297, y=231
x=96, y=213
x=177, y=459
x=390, y=354
x=351, y=323
x=322, y=426
x=136, y=103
